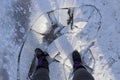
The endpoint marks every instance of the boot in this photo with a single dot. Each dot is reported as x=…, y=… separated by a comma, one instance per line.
x=77, y=62
x=42, y=61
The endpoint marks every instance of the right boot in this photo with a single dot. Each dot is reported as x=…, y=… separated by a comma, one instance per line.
x=77, y=62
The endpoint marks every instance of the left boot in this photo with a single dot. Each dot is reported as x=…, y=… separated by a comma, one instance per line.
x=42, y=61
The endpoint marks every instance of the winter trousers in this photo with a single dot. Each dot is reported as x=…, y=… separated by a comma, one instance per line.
x=79, y=74
x=41, y=74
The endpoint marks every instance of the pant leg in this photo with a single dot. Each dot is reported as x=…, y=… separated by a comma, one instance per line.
x=82, y=74
x=41, y=74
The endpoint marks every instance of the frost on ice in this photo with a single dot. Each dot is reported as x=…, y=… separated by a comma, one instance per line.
x=59, y=27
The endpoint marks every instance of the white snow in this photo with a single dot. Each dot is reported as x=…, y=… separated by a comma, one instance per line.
x=26, y=25
x=44, y=27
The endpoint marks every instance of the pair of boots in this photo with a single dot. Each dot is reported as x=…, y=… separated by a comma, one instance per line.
x=43, y=63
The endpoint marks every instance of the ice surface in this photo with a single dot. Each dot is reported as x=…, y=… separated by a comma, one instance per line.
x=44, y=27
x=25, y=25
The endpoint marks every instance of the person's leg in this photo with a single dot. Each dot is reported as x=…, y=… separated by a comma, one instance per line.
x=42, y=70
x=41, y=74
x=80, y=72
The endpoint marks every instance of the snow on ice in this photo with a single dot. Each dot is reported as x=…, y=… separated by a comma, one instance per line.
x=59, y=27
